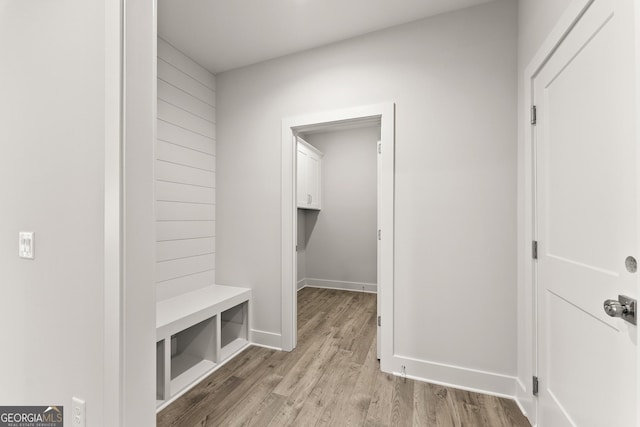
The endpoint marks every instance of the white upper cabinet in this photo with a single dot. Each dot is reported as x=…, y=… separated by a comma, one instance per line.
x=309, y=175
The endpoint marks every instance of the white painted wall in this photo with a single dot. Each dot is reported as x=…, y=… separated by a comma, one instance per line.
x=52, y=167
x=453, y=79
x=536, y=19
x=79, y=319
x=341, y=238
x=185, y=174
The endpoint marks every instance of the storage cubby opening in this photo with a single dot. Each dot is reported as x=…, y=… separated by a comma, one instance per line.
x=233, y=324
x=160, y=391
x=193, y=353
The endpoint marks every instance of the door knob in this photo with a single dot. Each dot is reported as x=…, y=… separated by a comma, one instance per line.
x=624, y=308
x=613, y=308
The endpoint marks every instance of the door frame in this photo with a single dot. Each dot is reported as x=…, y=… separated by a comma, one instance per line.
x=129, y=378
x=527, y=280
x=290, y=126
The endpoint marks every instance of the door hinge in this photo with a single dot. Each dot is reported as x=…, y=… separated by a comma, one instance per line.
x=379, y=147
x=379, y=320
x=379, y=234
x=535, y=385
x=534, y=249
x=534, y=115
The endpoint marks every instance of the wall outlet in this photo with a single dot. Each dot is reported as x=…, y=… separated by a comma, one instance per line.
x=78, y=412
x=26, y=244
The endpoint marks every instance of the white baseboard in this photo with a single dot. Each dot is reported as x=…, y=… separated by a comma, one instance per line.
x=342, y=285
x=302, y=283
x=266, y=339
x=454, y=376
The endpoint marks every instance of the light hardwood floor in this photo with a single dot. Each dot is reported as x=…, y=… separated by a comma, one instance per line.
x=331, y=379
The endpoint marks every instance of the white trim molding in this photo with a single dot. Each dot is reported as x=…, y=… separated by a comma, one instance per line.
x=454, y=376
x=265, y=339
x=113, y=390
x=524, y=400
x=340, y=285
x=129, y=232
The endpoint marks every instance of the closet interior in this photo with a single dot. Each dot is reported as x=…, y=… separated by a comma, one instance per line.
x=337, y=206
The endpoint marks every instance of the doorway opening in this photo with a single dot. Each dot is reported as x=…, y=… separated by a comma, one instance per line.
x=381, y=118
x=336, y=198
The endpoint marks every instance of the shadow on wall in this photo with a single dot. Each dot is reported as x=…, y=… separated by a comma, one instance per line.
x=307, y=219
x=310, y=219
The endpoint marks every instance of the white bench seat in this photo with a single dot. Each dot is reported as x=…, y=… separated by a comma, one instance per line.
x=195, y=332
x=180, y=312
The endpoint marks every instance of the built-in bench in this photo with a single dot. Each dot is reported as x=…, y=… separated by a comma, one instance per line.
x=195, y=332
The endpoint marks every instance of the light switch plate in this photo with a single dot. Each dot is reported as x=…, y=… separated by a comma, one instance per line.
x=26, y=242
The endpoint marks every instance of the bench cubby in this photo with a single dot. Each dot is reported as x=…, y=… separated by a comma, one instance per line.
x=195, y=332
x=233, y=329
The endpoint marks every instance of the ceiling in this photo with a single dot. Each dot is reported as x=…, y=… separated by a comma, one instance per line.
x=225, y=34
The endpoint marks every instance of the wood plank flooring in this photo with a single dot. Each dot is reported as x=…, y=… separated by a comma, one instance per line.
x=331, y=379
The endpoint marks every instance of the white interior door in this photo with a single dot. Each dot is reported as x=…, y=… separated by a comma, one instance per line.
x=587, y=221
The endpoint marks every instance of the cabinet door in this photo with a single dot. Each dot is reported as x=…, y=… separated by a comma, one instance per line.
x=301, y=178
x=313, y=181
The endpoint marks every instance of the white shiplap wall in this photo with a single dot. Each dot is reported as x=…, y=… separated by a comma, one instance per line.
x=185, y=174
